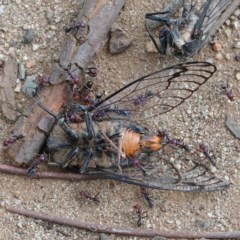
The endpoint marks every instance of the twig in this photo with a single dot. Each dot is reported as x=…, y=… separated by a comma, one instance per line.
x=121, y=230
x=53, y=175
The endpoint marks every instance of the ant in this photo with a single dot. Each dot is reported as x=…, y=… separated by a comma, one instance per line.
x=146, y=195
x=10, y=141
x=228, y=92
x=76, y=25
x=205, y=151
x=86, y=194
x=139, y=213
x=38, y=160
x=41, y=83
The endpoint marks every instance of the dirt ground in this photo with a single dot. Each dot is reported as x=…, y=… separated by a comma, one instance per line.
x=200, y=119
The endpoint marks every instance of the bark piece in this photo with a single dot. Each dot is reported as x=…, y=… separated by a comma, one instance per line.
x=99, y=16
x=8, y=77
x=232, y=126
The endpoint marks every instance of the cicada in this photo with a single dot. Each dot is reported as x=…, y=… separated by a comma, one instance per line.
x=111, y=140
x=184, y=35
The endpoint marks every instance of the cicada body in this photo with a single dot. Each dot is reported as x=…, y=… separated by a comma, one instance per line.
x=186, y=34
x=112, y=141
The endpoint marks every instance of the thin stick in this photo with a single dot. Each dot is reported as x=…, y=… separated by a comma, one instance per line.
x=120, y=230
x=53, y=175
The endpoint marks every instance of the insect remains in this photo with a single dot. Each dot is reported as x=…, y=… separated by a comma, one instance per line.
x=185, y=35
x=107, y=142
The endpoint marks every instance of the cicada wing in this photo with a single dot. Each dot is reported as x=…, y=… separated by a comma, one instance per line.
x=209, y=14
x=195, y=180
x=154, y=94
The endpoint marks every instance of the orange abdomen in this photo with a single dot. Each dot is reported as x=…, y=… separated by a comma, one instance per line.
x=130, y=143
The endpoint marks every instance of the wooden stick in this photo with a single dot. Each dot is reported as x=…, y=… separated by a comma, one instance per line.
x=78, y=49
x=93, y=227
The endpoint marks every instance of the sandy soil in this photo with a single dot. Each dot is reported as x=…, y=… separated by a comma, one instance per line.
x=201, y=119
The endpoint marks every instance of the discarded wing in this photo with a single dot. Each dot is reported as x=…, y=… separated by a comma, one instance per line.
x=185, y=35
x=116, y=117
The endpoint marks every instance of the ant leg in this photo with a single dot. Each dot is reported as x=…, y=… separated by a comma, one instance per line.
x=86, y=160
x=72, y=153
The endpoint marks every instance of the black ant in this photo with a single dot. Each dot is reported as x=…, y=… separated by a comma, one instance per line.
x=86, y=194
x=139, y=213
x=10, y=141
x=42, y=158
x=146, y=195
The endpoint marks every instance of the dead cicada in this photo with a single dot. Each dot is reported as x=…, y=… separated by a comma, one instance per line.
x=186, y=34
x=108, y=143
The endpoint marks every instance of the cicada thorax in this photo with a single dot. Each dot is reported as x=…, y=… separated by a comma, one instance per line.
x=113, y=139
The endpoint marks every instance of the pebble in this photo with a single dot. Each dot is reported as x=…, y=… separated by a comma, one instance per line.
x=21, y=71
x=237, y=13
x=2, y=9
x=232, y=126
x=18, y=87
x=31, y=64
x=216, y=47
x=35, y=47
x=228, y=22
x=238, y=56
x=29, y=36
x=104, y=237
x=209, y=60
x=228, y=32
x=238, y=76
x=119, y=40
x=150, y=48
x=206, y=224
x=29, y=85
x=235, y=24
x=227, y=56
x=237, y=45
x=218, y=56
x=49, y=16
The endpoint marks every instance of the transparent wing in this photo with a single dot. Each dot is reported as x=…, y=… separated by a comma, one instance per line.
x=195, y=179
x=154, y=94
x=208, y=15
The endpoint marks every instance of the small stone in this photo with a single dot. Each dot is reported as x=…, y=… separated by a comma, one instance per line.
x=209, y=60
x=21, y=71
x=29, y=87
x=35, y=47
x=49, y=16
x=31, y=64
x=237, y=45
x=18, y=2
x=150, y=48
x=238, y=76
x=235, y=24
x=104, y=237
x=232, y=126
x=237, y=13
x=238, y=56
x=228, y=32
x=119, y=40
x=218, y=56
x=216, y=47
x=29, y=36
x=206, y=224
x=227, y=56
x=2, y=9
x=228, y=22
x=18, y=86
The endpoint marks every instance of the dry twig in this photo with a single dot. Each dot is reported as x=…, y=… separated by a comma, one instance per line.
x=121, y=230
